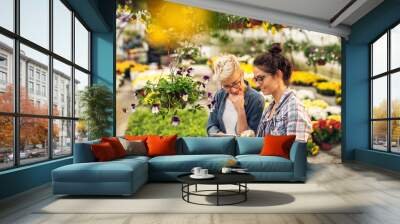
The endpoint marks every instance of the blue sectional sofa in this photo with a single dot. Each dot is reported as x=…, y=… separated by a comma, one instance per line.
x=125, y=176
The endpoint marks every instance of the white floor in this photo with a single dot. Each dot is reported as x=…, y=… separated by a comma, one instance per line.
x=377, y=189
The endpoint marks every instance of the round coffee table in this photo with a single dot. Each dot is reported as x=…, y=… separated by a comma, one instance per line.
x=238, y=179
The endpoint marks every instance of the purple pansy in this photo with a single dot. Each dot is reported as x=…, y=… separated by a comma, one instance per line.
x=175, y=120
x=155, y=109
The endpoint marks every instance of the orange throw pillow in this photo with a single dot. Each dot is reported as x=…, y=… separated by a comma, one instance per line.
x=136, y=138
x=103, y=151
x=161, y=145
x=277, y=145
x=116, y=145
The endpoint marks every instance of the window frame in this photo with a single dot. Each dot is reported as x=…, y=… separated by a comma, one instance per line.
x=16, y=114
x=388, y=74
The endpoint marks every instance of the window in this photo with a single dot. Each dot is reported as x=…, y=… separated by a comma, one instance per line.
x=3, y=72
x=30, y=87
x=44, y=91
x=3, y=61
x=7, y=142
x=38, y=89
x=385, y=97
x=62, y=141
x=33, y=148
x=30, y=72
x=7, y=14
x=37, y=74
x=81, y=81
x=3, y=78
x=54, y=126
x=35, y=21
x=62, y=29
x=81, y=45
x=62, y=74
x=6, y=74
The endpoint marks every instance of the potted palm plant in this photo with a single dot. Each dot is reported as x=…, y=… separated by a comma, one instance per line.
x=96, y=102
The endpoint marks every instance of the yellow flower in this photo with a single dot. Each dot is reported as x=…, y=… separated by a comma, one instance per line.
x=247, y=68
x=333, y=86
x=315, y=103
x=305, y=78
x=172, y=23
x=335, y=117
x=315, y=150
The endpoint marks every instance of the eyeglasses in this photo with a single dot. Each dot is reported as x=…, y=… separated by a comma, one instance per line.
x=259, y=78
x=235, y=85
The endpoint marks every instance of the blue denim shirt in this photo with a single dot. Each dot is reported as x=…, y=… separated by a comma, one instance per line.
x=253, y=105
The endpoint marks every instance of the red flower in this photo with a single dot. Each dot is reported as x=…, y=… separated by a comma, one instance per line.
x=322, y=124
x=337, y=125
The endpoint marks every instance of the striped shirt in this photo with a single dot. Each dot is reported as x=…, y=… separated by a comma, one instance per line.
x=290, y=118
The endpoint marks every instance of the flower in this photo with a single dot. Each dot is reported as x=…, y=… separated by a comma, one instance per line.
x=155, y=109
x=305, y=94
x=175, y=121
x=206, y=78
x=133, y=107
x=333, y=110
x=209, y=95
x=185, y=97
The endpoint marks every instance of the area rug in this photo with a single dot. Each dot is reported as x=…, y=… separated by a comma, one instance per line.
x=167, y=198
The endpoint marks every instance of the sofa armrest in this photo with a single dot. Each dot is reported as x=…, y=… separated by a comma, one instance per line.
x=298, y=155
x=83, y=152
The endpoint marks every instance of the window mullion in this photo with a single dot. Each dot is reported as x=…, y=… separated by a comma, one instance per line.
x=73, y=81
x=16, y=85
x=50, y=81
x=389, y=105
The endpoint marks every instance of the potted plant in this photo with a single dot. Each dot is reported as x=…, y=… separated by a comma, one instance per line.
x=326, y=133
x=176, y=91
x=96, y=102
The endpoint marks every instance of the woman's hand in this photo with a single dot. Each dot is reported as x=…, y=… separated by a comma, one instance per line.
x=237, y=101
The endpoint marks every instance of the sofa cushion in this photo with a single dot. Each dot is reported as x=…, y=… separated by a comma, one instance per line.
x=185, y=163
x=112, y=171
x=103, y=152
x=249, y=145
x=134, y=147
x=277, y=145
x=257, y=163
x=206, y=145
x=161, y=145
x=116, y=145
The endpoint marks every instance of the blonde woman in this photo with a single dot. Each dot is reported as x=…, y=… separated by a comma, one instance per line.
x=237, y=108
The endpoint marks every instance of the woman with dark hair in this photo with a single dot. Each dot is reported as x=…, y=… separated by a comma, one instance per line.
x=286, y=114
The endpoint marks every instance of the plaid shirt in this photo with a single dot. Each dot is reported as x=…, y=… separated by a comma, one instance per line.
x=290, y=118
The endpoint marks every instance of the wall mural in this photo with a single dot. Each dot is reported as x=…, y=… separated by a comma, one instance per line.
x=165, y=79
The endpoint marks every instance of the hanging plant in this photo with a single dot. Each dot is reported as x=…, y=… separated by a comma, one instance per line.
x=177, y=91
x=320, y=55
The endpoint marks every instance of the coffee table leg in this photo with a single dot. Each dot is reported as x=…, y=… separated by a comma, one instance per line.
x=217, y=194
x=188, y=189
x=245, y=193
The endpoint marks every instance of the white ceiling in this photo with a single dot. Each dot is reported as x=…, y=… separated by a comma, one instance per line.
x=316, y=15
